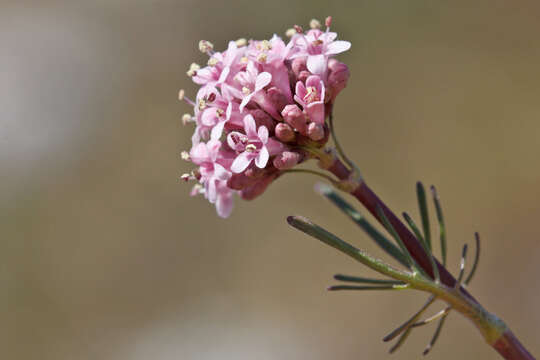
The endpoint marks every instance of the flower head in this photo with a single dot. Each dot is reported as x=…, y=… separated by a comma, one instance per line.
x=259, y=103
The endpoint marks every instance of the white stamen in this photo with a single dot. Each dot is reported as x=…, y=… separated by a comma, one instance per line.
x=314, y=24
x=290, y=32
x=241, y=42
x=205, y=46
x=244, y=60
x=219, y=112
x=212, y=61
x=193, y=68
x=262, y=57
x=250, y=148
x=181, y=96
x=185, y=156
x=202, y=104
x=186, y=177
x=246, y=91
x=186, y=118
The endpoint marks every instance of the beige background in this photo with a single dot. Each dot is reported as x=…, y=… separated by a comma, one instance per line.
x=105, y=256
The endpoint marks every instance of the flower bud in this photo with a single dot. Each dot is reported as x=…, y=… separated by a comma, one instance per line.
x=277, y=98
x=240, y=181
x=286, y=160
x=315, y=131
x=256, y=189
x=338, y=77
x=294, y=116
x=298, y=65
x=263, y=119
x=284, y=132
x=303, y=75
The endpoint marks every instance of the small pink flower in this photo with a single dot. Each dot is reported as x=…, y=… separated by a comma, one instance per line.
x=318, y=46
x=311, y=97
x=251, y=82
x=253, y=145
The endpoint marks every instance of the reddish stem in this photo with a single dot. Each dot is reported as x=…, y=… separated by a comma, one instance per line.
x=507, y=345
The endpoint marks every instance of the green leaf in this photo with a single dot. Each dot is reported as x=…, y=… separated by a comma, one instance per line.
x=442, y=227
x=361, y=221
x=476, y=258
x=422, y=206
x=364, y=280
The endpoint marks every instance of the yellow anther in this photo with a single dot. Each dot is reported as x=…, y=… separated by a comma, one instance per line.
x=241, y=42
x=290, y=32
x=314, y=24
x=251, y=148
x=246, y=91
x=205, y=46
x=193, y=68
x=212, y=61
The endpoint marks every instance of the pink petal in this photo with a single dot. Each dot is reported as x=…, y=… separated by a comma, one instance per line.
x=263, y=134
x=199, y=153
x=315, y=111
x=224, y=74
x=221, y=173
x=211, y=193
x=249, y=126
x=209, y=116
x=224, y=205
x=245, y=101
x=300, y=92
x=316, y=64
x=217, y=131
x=337, y=47
x=262, y=159
x=263, y=79
x=241, y=162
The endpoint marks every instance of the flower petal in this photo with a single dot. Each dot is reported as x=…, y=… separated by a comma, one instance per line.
x=316, y=63
x=249, y=126
x=224, y=205
x=262, y=158
x=263, y=79
x=241, y=162
x=263, y=134
x=337, y=47
x=217, y=131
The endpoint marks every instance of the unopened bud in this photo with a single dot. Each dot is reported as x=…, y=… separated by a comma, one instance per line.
x=303, y=75
x=315, y=24
x=298, y=65
x=294, y=116
x=256, y=189
x=328, y=21
x=278, y=99
x=338, y=77
x=315, y=131
x=284, y=132
x=205, y=46
x=286, y=160
x=239, y=181
x=263, y=119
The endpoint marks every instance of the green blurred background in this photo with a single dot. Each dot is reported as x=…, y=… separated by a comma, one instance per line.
x=105, y=256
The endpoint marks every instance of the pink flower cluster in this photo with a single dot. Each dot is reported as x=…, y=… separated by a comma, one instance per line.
x=259, y=103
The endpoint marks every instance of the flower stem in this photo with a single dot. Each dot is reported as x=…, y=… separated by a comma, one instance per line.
x=495, y=332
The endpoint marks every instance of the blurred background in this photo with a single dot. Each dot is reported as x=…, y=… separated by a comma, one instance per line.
x=104, y=255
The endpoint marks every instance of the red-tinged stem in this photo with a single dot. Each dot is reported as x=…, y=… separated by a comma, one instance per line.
x=504, y=342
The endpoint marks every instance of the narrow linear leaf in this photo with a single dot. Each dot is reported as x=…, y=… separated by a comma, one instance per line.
x=409, y=322
x=422, y=206
x=361, y=221
x=353, y=287
x=416, y=231
x=476, y=258
x=462, y=265
x=433, y=317
x=442, y=227
x=435, y=335
x=306, y=226
x=364, y=280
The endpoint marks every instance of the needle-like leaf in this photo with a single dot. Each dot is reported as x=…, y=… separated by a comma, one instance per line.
x=422, y=205
x=363, y=280
x=476, y=258
x=442, y=227
x=361, y=221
